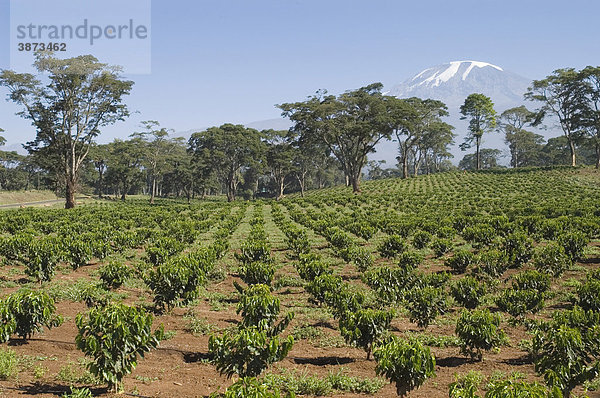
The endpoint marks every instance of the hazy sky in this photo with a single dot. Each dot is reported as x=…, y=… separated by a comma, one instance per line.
x=232, y=61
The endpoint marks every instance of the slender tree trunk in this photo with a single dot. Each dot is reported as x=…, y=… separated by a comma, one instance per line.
x=597, y=155
x=404, y=166
x=572, y=149
x=478, y=155
x=70, y=193
x=280, y=188
x=153, y=189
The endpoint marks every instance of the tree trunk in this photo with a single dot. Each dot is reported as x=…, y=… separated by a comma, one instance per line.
x=572, y=149
x=70, y=193
x=478, y=155
x=355, y=181
x=404, y=166
x=153, y=190
x=597, y=155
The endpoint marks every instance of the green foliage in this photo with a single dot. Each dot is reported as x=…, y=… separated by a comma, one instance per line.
x=115, y=336
x=310, y=266
x=391, y=246
x=492, y=263
x=407, y=363
x=468, y=292
x=588, y=295
x=247, y=351
x=42, y=257
x=258, y=307
x=78, y=393
x=551, y=259
x=8, y=363
x=26, y=312
x=513, y=388
x=421, y=239
x=250, y=387
x=460, y=261
x=390, y=284
x=257, y=273
x=532, y=280
x=114, y=274
x=365, y=327
x=410, y=260
x=520, y=302
x=362, y=258
x=479, y=235
x=518, y=248
x=425, y=304
x=574, y=244
x=441, y=246
x=465, y=386
x=254, y=251
x=175, y=282
x=78, y=252
x=479, y=330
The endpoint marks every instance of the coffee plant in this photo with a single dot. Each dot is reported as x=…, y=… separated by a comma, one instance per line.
x=478, y=331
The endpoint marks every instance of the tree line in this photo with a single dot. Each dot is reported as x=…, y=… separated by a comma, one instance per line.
x=329, y=142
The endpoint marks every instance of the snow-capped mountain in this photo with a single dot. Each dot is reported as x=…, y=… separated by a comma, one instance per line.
x=454, y=81
x=451, y=83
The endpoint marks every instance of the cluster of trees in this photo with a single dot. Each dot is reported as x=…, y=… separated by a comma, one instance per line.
x=329, y=142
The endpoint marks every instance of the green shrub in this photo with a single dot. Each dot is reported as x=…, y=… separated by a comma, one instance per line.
x=310, y=266
x=258, y=307
x=406, y=363
x=551, y=259
x=511, y=388
x=518, y=248
x=115, y=336
x=78, y=253
x=425, y=304
x=175, y=282
x=520, y=302
x=78, y=393
x=250, y=387
x=365, y=327
x=532, y=280
x=247, y=351
x=460, y=261
x=254, y=251
x=391, y=246
x=390, y=284
x=114, y=274
x=421, y=239
x=492, y=263
x=479, y=235
x=257, y=273
x=42, y=257
x=588, y=295
x=479, y=330
x=574, y=244
x=410, y=260
x=465, y=386
x=26, y=312
x=468, y=292
x=362, y=258
x=441, y=246
x=323, y=284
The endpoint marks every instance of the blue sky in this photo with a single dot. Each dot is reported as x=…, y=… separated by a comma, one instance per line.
x=232, y=60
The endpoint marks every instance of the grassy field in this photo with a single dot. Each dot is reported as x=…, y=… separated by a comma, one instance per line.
x=510, y=215
x=18, y=197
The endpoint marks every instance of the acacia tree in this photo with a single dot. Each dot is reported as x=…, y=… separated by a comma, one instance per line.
x=349, y=125
x=524, y=145
x=226, y=150
x=81, y=96
x=591, y=106
x=479, y=109
x=561, y=95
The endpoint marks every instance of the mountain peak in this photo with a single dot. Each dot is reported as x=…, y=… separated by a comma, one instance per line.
x=433, y=77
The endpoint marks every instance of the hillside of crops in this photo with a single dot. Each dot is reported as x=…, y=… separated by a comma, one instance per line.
x=454, y=284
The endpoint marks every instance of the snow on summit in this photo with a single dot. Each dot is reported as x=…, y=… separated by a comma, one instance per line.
x=446, y=72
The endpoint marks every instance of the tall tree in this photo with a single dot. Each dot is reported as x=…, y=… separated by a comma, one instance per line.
x=479, y=109
x=156, y=146
x=280, y=160
x=591, y=107
x=488, y=158
x=561, y=95
x=349, y=125
x=125, y=159
x=81, y=96
x=226, y=150
x=524, y=146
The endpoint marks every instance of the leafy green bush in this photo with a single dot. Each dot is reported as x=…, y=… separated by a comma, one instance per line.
x=323, y=284
x=441, y=246
x=26, y=312
x=390, y=284
x=364, y=327
x=421, y=239
x=425, y=304
x=492, y=263
x=468, y=292
x=532, y=280
x=520, y=302
x=310, y=266
x=42, y=257
x=391, y=246
x=78, y=253
x=588, y=295
x=574, y=244
x=114, y=274
x=479, y=235
x=551, y=259
x=465, y=386
x=518, y=248
x=254, y=251
x=247, y=351
x=406, y=363
x=258, y=307
x=410, y=260
x=115, y=336
x=83, y=392
x=460, y=261
x=479, y=330
x=257, y=273
x=362, y=258
x=250, y=387
x=175, y=282
x=511, y=388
